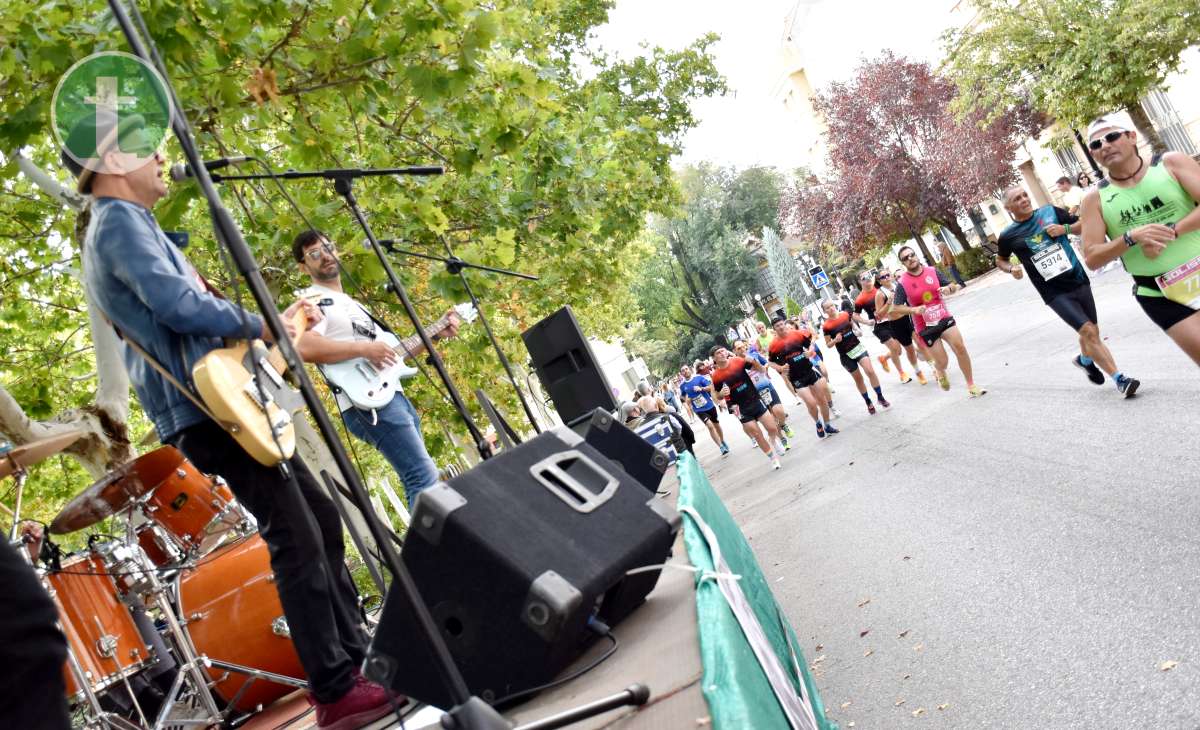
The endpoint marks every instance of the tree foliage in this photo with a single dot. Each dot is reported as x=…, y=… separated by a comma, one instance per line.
x=1072, y=59
x=899, y=159
x=550, y=170
x=696, y=271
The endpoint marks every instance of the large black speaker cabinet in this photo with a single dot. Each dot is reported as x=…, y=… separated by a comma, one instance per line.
x=638, y=457
x=565, y=365
x=514, y=558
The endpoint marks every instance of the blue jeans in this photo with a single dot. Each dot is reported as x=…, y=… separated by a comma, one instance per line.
x=397, y=435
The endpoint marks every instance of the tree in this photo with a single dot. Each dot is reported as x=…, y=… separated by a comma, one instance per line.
x=784, y=271
x=900, y=160
x=1072, y=59
x=550, y=170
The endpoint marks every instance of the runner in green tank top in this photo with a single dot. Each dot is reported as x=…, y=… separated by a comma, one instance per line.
x=1146, y=214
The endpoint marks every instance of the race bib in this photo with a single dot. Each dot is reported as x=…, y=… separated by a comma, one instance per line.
x=699, y=401
x=935, y=313
x=1182, y=284
x=857, y=352
x=764, y=395
x=1052, y=262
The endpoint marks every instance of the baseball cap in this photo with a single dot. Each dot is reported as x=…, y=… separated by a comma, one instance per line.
x=1104, y=124
x=126, y=134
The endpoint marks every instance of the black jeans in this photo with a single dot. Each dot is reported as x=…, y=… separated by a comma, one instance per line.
x=32, y=649
x=303, y=532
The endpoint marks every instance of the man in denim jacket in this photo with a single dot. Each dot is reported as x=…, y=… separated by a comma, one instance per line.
x=153, y=296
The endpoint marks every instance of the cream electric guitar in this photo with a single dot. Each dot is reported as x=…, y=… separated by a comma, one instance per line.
x=369, y=387
x=261, y=422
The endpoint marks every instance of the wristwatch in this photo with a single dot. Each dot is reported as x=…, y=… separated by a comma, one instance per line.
x=1129, y=240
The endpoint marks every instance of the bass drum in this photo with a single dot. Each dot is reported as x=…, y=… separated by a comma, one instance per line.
x=232, y=614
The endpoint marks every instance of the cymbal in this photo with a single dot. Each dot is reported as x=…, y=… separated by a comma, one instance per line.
x=26, y=455
x=117, y=490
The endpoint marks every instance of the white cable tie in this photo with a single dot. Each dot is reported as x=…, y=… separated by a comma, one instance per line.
x=704, y=574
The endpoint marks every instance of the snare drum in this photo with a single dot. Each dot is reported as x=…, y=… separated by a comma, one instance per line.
x=99, y=629
x=198, y=511
x=232, y=614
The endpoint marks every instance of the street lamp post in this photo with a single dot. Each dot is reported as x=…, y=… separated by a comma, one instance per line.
x=758, y=300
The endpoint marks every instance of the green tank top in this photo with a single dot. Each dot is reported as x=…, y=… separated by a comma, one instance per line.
x=1157, y=198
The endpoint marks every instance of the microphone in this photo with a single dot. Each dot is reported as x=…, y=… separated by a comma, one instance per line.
x=181, y=171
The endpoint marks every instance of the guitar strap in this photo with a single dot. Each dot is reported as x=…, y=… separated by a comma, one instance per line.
x=163, y=371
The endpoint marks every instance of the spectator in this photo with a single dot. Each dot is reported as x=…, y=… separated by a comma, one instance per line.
x=949, y=262
x=1071, y=196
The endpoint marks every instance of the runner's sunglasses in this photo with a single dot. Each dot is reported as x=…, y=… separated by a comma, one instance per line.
x=1111, y=137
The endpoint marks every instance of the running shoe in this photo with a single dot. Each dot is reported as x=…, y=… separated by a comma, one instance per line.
x=1092, y=371
x=921, y=378
x=724, y=450
x=821, y=431
x=786, y=430
x=944, y=381
x=784, y=442
x=774, y=462
x=834, y=412
x=883, y=362
x=871, y=408
x=1128, y=386
x=884, y=402
x=975, y=391
x=905, y=378
x=830, y=430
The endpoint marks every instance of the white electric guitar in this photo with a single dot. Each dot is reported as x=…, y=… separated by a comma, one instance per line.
x=369, y=387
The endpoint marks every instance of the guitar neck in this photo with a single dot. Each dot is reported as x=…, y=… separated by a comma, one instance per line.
x=408, y=343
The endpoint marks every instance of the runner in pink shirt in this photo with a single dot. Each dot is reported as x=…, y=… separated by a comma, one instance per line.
x=923, y=286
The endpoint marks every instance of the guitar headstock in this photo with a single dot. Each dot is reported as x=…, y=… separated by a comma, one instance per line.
x=466, y=312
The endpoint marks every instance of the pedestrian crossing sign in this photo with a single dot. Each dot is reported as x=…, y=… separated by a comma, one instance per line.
x=819, y=278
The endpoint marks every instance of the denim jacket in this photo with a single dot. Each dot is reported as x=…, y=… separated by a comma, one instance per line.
x=147, y=288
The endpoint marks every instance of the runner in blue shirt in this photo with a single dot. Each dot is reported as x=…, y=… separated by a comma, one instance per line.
x=697, y=392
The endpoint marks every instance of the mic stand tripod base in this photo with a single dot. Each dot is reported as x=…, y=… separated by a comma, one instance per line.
x=474, y=714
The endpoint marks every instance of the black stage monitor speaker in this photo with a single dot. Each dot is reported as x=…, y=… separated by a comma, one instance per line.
x=566, y=366
x=514, y=559
x=638, y=457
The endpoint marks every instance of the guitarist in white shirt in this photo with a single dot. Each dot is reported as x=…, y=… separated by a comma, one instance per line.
x=349, y=332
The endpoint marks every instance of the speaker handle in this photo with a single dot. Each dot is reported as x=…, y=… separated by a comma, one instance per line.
x=549, y=472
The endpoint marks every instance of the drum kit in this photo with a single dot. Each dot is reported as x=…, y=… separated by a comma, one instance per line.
x=175, y=622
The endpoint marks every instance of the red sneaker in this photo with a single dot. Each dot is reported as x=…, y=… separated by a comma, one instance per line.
x=365, y=703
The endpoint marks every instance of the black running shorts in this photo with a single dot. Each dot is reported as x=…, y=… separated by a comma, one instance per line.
x=1076, y=308
x=902, y=332
x=883, y=331
x=751, y=410
x=933, y=332
x=1164, y=312
x=850, y=365
x=805, y=378
x=709, y=415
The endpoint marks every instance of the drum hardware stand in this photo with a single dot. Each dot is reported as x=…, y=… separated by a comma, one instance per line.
x=469, y=713
x=254, y=675
x=455, y=265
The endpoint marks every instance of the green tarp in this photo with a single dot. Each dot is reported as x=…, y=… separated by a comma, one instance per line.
x=738, y=693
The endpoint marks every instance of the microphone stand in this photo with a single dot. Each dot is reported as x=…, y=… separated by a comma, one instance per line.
x=343, y=181
x=455, y=265
x=469, y=712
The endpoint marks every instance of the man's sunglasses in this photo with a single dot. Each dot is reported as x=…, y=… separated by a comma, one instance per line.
x=884, y=277
x=1111, y=138
x=908, y=257
x=316, y=254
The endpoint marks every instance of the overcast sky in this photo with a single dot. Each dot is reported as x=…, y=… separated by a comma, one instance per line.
x=749, y=126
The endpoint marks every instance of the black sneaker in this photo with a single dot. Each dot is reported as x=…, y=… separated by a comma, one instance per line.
x=1092, y=371
x=1128, y=386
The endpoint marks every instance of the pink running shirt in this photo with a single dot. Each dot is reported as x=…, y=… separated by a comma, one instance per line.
x=925, y=289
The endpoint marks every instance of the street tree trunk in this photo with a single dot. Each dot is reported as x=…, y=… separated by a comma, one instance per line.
x=960, y=235
x=1145, y=127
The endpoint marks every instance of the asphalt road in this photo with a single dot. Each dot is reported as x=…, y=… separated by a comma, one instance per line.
x=1028, y=559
